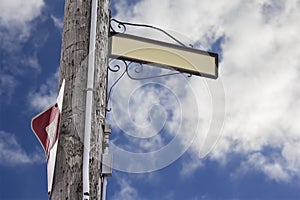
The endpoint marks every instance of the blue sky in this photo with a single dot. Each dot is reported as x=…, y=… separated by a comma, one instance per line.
x=253, y=107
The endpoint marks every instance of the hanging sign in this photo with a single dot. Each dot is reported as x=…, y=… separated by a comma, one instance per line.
x=157, y=53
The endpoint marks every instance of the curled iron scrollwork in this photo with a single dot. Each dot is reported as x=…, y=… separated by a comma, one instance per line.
x=120, y=25
x=117, y=26
x=115, y=68
x=122, y=29
x=138, y=69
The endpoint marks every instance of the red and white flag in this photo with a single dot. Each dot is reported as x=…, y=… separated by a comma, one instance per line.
x=46, y=127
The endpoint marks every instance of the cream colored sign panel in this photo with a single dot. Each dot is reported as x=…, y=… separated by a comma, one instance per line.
x=180, y=58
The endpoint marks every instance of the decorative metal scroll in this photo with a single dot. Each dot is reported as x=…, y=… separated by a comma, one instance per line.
x=138, y=68
x=122, y=29
x=117, y=26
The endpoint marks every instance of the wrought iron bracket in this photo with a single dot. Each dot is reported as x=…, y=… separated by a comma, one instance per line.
x=122, y=28
x=117, y=26
x=139, y=67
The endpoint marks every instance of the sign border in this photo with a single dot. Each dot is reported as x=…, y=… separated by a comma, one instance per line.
x=169, y=45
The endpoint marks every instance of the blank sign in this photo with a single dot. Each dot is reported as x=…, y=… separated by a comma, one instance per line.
x=166, y=55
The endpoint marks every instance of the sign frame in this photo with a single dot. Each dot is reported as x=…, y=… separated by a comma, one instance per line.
x=213, y=55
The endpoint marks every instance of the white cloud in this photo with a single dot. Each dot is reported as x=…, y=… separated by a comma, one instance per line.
x=15, y=18
x=11, y=153
x=33, y=62
x=271, y=165
x=260, y=83
x=145, y=110
x=10, y=72
x=7, y=87
x=189, y=166
x=46, y=94
x=259, y=69
x=59, y=23
x=140, y=106
x=126, y=191
x=18, y=12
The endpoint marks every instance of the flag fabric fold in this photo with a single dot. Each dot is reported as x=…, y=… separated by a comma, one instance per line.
x=46, y=128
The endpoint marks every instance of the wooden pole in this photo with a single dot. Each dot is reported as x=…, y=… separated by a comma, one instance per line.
x=73, y=68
